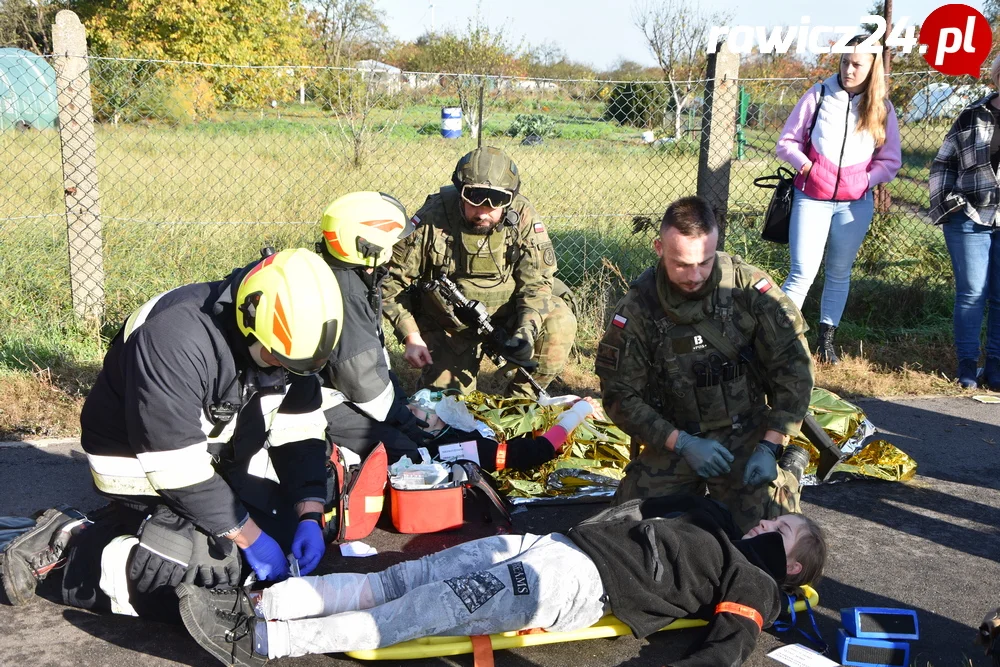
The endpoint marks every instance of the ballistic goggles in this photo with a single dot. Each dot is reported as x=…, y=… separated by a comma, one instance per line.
x=482, y=195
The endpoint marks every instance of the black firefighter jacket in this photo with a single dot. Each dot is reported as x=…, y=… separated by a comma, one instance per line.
x=180, y=414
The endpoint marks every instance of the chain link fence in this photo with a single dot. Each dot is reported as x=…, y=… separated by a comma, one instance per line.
x=196, y=166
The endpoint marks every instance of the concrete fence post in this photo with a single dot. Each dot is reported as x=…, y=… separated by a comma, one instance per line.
x=718, y=131
x=79, y=162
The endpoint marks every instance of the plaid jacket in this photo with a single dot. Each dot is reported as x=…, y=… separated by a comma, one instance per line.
x=962, y=177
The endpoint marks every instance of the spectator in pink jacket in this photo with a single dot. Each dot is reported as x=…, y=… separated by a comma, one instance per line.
x=843, y=139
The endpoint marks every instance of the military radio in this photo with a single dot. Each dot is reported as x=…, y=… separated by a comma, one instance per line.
x=474, y=315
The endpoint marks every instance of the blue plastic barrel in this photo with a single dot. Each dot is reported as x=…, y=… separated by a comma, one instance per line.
x=451, y=122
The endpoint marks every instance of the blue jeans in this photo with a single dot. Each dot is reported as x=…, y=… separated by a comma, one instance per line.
x=975, y=259
x=839, y=227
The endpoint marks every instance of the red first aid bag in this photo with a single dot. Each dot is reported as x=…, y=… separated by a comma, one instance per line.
x=358, y=495
x=437, y=509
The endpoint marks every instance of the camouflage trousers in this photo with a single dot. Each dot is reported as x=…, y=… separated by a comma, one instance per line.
x=662, y=472
x=457, y=356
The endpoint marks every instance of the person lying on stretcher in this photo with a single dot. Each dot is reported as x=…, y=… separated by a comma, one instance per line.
x=648, y=561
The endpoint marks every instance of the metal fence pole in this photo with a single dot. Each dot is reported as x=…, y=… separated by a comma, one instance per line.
x=79, y=163
x=718, y=132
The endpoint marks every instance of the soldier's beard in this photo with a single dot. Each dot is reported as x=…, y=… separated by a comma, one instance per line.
x=479, y=228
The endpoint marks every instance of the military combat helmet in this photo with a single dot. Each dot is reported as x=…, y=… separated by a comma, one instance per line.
x=487, y=176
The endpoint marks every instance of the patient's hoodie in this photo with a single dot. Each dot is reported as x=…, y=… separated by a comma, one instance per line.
x=680, y=557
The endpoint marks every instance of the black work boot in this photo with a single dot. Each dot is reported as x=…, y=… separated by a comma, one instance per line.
x=30, y=557
x=991, y=374
x=824, y=346
x=967, y=372
x=794, y=460
x=222, y=622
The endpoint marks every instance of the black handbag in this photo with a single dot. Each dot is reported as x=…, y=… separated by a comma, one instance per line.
x=779, y=209
x=778, y=217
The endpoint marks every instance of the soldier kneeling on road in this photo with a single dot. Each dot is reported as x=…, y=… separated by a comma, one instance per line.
x=705, y=364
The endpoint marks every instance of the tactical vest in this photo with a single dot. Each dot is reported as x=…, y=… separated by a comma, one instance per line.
x=695, y=385
x=481, y=266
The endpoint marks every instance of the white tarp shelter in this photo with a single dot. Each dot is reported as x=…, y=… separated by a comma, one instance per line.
x=27, y=90
x=941, y=101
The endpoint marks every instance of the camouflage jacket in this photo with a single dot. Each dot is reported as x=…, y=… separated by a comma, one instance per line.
x=660, y=372
x=515, y=264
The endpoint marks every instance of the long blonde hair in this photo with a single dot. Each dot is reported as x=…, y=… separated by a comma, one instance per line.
x=872, y=108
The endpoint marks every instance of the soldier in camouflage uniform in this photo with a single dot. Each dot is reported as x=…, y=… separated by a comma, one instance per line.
x=705, y=365
x=489, y=240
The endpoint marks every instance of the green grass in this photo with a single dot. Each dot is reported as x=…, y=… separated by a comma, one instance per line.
x=188, y=202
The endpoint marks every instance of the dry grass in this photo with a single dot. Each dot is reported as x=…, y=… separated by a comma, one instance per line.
x=857, y=377
x=47, y=404
x=34, y=406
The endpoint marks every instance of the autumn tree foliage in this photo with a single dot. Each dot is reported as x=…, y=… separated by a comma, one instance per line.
x=243, y=32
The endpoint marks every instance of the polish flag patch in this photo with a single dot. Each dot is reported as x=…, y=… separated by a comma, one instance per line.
x=415, y=220
x=539, y=228
x=619, y=321
x=762, y=285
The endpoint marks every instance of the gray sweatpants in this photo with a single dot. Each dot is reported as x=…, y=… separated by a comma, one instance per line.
x=491, y=585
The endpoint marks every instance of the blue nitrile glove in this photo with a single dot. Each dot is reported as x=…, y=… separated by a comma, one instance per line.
x=267, y=559
x=762, y=468
x=707, y=457
x=308, y=545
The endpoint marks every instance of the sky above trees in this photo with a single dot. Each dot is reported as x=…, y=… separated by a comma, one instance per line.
x=601, y=32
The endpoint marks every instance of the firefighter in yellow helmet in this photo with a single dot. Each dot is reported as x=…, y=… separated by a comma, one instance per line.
x=363, y=399
x=208, y=396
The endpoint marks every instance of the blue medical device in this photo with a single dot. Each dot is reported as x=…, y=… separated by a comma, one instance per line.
x=880, y=623
x=856, y=652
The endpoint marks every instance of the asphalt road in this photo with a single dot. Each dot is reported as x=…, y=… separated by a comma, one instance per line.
x=932, y=545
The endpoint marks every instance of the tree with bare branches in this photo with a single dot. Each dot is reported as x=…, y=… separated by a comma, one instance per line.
x=481, y=57
x=676, y=32
x=365, y=119
x=344, y=29
x=27, y=24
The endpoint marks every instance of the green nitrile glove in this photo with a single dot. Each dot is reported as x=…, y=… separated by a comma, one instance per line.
x=762, y=468
x=707, y=457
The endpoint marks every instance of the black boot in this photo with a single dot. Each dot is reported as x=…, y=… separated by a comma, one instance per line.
x=30, y=557
x=967, y=370
x=824, y=346
x=991, y=374
x=223, y=622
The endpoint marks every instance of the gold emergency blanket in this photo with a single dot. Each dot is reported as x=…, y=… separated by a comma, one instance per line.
x=880, y=460
x=848, y=426
x=596, y=453
x=592, y=460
